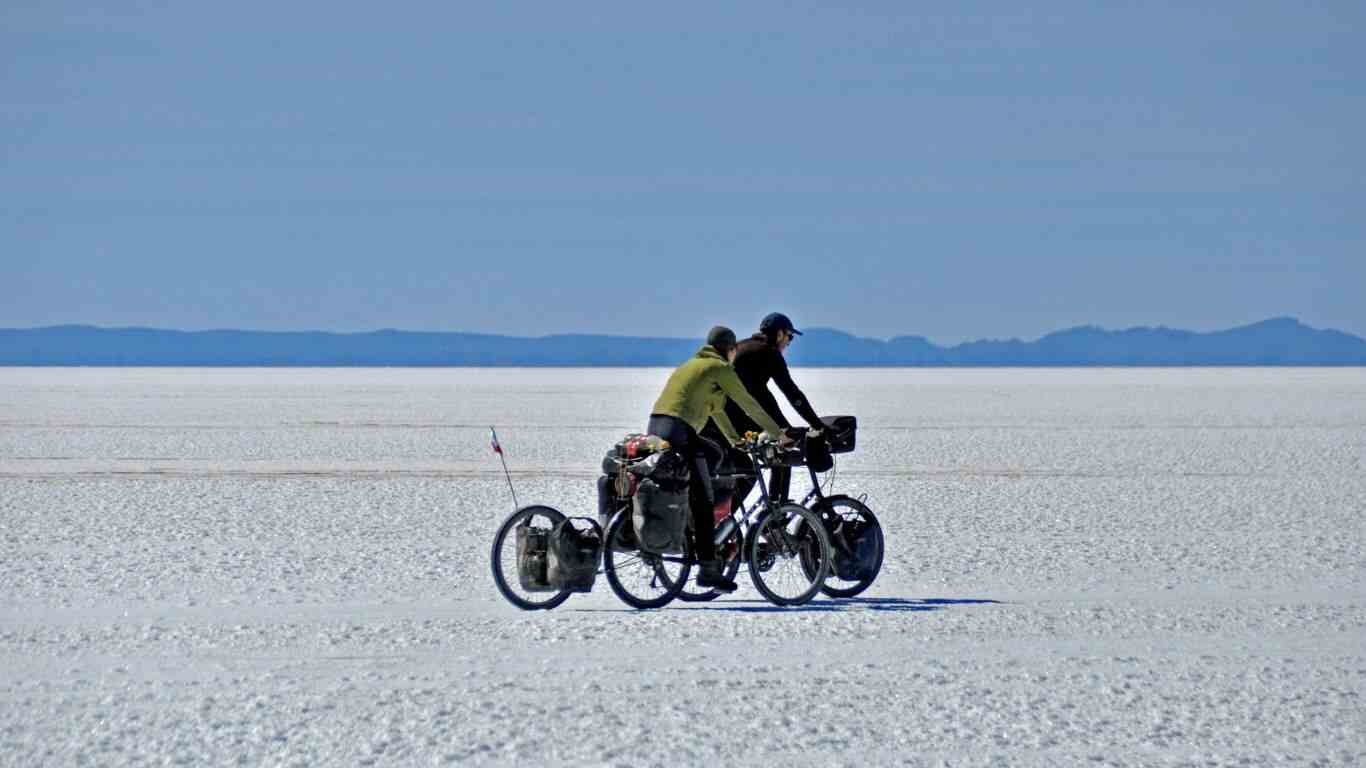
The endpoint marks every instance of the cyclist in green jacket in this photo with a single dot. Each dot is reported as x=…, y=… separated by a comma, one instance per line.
x=696, y=393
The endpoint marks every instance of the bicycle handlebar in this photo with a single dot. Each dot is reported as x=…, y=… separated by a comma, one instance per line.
x=765, y=448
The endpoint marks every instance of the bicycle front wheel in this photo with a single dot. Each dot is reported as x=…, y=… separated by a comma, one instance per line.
x=641, y=579
x=504, y=559
x=782, y=541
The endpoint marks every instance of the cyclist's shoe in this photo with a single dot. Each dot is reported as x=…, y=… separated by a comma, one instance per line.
x=710, y=575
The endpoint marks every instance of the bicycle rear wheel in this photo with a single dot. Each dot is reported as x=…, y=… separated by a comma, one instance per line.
x=779, y=547
x=640, y=579
x=503, y=559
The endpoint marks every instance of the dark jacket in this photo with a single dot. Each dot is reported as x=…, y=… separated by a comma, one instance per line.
x=756, y=363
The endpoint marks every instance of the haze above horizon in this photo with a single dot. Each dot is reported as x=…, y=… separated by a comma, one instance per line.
x=960, y=174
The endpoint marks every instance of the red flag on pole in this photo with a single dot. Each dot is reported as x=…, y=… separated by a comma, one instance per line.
x=493, y=438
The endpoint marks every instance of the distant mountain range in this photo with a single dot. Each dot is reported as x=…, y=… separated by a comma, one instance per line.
x=1280, y=341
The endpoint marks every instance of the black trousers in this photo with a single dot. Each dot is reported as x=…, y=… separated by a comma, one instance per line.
x=704, y=456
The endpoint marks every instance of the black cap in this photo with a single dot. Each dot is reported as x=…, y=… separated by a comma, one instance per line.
x=774, y=322
x=722, y=338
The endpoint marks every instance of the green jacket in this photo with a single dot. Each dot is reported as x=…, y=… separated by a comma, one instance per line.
x=697, y=390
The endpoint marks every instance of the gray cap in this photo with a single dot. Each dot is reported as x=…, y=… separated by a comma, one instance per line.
x=722, y=338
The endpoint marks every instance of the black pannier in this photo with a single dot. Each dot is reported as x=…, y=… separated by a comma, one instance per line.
x=660, y=514
x=532, y=546
x=573, y=553
x=840, y=432
x=857, y=558
x=609, y=502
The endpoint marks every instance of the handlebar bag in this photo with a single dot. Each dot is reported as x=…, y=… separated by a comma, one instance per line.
x=660, y=515
x=842, y=432
x=816, y=452
x=573, y=553
x=532, y=544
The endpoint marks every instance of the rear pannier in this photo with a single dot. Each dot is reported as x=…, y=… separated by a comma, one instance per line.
x=532, y=546
x=573, y=553
x=661, y=517
x=609, y=503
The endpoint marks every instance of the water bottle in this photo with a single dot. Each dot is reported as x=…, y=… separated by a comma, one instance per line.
x=724, y=529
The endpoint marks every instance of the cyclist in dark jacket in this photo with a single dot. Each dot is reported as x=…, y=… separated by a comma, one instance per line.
x=759, y=360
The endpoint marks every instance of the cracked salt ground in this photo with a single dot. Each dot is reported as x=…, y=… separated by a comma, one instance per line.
x=1155, y=567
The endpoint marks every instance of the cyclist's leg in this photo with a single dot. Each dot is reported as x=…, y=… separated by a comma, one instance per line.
x=701, y=500
x=685, y=440
x=779, y=480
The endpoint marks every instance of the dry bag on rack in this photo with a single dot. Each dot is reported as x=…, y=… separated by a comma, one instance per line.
x=668, y=469
x=532, y=546
x=573, y=553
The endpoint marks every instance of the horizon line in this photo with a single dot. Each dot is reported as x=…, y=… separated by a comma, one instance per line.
x=1085, y=326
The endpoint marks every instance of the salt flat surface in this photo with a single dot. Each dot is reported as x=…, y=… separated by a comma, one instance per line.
x=289, y=567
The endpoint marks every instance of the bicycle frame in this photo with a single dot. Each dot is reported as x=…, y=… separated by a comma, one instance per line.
x=815, y=492
x=745, y=517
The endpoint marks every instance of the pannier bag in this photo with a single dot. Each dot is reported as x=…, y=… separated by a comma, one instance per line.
x=608, y=503
x=573, y=553
x=532, y=544
x=661, y=517
x=841, y=432
x=607, y=500
x=856, y=560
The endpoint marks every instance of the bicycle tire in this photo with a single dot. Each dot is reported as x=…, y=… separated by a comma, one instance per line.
x=514, y=596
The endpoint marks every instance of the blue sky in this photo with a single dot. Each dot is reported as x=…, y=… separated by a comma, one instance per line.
x=983, y=170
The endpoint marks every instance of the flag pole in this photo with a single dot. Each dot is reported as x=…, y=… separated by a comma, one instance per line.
x=498, y=449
